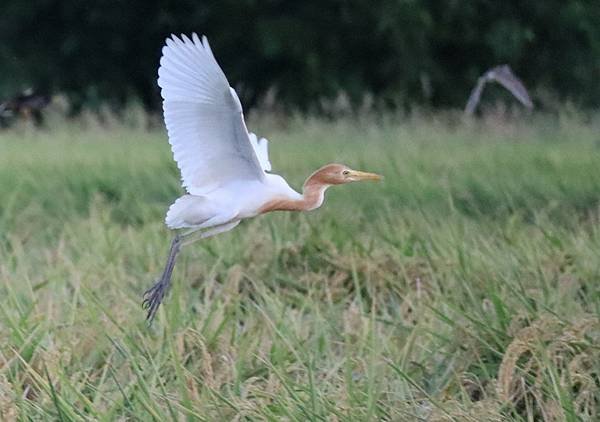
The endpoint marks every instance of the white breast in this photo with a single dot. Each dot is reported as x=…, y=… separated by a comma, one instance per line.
x=248, y=196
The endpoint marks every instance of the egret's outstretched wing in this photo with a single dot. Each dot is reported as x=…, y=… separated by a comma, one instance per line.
x=505, y=77
x=204, y=118
x=261, y=148
x=475, y=96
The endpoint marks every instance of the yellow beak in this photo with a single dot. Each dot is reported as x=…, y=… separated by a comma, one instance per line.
x=356, y=175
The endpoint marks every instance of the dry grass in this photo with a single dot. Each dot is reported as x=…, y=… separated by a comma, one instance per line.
x=465, y=287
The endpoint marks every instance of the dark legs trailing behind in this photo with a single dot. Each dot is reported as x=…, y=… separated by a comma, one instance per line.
x=155, y=294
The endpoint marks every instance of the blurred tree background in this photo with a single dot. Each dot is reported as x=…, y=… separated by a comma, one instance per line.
x=398, y=52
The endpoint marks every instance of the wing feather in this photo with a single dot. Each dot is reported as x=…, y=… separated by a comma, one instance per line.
x=505, y=77
x=204, y=119
x=261, y=148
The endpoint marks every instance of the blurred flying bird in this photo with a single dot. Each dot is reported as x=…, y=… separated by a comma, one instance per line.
x=28, y=104
x=505, y=77
x=224, y=168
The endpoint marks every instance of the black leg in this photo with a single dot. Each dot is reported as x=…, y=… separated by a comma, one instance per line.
x=155, y=294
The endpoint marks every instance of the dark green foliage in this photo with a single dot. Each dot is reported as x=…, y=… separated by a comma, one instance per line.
x=402, y=52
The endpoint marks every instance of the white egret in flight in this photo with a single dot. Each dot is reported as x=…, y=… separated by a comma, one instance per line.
x=224, y=168
x=504, y=76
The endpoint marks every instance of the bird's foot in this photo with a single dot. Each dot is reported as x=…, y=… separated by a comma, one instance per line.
x=153, y=298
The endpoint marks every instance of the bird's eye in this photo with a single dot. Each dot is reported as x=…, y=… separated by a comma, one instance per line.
x=346, y=172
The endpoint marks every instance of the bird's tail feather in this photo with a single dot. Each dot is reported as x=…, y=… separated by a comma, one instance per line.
x=188, y=211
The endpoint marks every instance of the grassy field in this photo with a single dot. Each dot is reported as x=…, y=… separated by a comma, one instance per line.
x=465, y=287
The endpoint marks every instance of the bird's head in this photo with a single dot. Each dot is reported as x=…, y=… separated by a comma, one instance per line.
x=338, y=174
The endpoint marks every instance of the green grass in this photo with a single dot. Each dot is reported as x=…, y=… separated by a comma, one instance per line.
x=466, y=286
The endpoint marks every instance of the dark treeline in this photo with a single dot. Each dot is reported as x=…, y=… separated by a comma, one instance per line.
x=427, y=52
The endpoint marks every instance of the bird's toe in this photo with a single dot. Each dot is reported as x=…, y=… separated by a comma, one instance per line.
x=152, y=299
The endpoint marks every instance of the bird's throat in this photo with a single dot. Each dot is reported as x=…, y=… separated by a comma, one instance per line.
x=313, y=195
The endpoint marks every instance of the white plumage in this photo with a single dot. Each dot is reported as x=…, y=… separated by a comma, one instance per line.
x=204, y=118
x=261, y=148
x=223, y=167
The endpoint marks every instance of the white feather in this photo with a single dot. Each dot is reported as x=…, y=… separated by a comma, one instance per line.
x=261, y=149
x=204, y=119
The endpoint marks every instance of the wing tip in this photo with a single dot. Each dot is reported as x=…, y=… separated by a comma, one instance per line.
x=196, y=40
x=184, y=39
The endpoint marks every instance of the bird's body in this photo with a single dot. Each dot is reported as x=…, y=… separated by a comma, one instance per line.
x=224, y=168
x=236, y=200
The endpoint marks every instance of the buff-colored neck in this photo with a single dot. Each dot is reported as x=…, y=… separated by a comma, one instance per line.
x=313, y=195
x=313, y=192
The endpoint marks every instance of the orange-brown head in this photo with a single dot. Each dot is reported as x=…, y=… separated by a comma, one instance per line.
x=337, y=174
x=315, y=186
